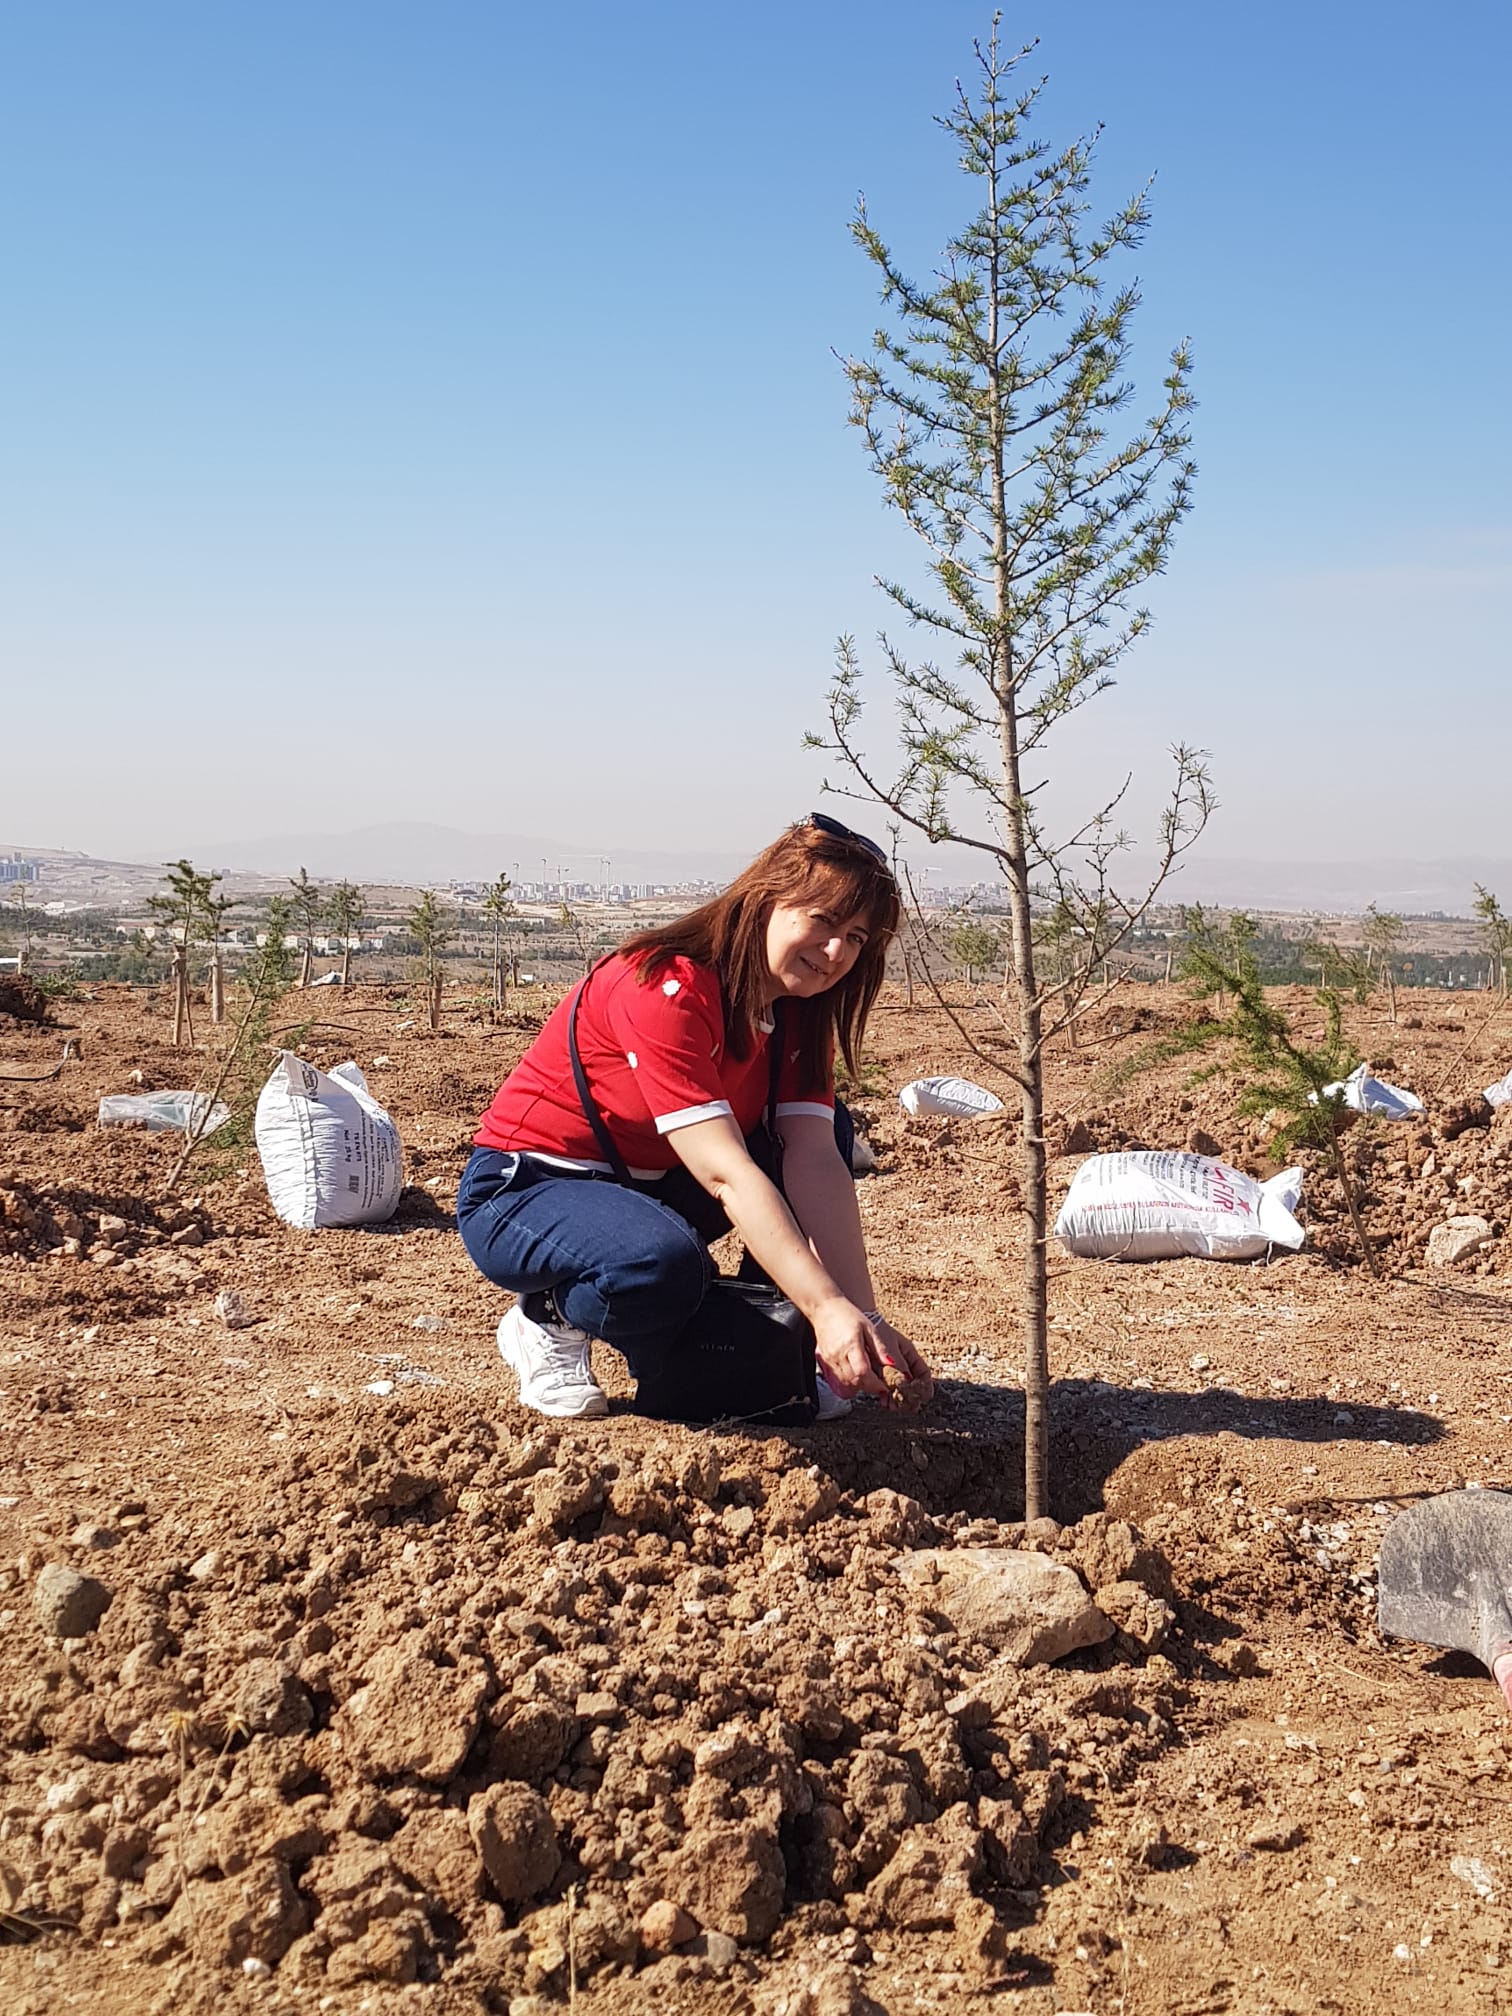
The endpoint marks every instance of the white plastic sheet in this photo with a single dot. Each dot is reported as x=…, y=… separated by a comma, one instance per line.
x=956, y=1098
x=1144, y=1206
x=330, y=1153
x=1364, y=1094
x=1499, y=1093
x=159, y=1112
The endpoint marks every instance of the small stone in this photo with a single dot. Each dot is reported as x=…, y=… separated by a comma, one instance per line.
x=69, y=1795
x=190, y=1235
x=205, y=1566
x=1275, y=1836
x=89, y=1535
x=665, y=1926
x=1200, y=1142
x=516, y=1840
x=111, y=1227
x=720, y=1951
x=232, y=1310
x=1470, y=1869
x=597, y=1708
x=1200, y=1361
x=428, y=1323
x=382, y=1387
x=68, y=1605
x=255, y=1969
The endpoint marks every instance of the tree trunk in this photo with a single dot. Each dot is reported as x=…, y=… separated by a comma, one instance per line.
x=217, y=988
x=180, y=977
x=306, y=961
x=908, y=979
x=346, y=965
x=1032, y=1148
x=1169, y=956
x=434, y=1002
x=1346, y=1184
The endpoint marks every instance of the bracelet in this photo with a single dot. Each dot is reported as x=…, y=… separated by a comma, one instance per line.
x=872, y=1316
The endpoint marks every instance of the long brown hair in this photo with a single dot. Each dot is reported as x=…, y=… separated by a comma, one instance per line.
x=806, y=865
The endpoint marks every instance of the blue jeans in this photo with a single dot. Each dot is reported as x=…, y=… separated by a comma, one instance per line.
x=627, y=1264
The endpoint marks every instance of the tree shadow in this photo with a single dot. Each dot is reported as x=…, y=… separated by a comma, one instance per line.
x=965, y=1453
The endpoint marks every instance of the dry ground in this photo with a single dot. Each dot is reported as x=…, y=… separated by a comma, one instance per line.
x=340, y=1616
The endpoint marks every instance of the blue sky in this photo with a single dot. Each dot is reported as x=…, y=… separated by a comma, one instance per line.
x=432, y=414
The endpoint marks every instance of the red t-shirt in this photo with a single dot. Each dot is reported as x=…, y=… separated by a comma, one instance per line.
x=656, y=1060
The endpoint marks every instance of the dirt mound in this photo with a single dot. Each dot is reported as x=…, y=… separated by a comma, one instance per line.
x=22, y=999
x=494, y=1696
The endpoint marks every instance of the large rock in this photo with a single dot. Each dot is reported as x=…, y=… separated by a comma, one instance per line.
x=1457, y=1240
x=1035, y=1609
x=413, y=1718
x=730, y=1878
x=516, y=1837
x=68, y=1605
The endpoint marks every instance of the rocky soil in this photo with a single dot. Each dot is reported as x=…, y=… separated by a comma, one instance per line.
x=329, y=1679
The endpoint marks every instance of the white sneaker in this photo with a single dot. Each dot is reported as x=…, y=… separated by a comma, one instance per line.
x=551, y=1363
x=832, y=1407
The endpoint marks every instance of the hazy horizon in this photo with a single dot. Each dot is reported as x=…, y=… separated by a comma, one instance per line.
x=421, y=854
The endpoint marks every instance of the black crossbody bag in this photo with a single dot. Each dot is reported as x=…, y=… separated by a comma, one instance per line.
x=747, y=1353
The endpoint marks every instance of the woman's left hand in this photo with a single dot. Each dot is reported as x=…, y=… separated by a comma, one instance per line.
x=894, y=1352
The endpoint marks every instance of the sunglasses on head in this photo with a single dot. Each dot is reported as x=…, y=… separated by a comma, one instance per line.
x=836, y=831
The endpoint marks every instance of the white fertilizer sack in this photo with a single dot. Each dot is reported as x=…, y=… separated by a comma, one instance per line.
x=330, y=1153
x=1499, y=1093
x=958, y=1098
x=1142, y=1206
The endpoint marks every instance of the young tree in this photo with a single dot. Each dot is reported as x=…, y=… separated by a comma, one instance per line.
x=986, y=409
x=580, y=932
x=308, y=909
x=345, y=911
x=499, y=909
x=432, y=929
x=1383, y=934
x=1496, y=929
x=185, y=909
x=20, y=904
x=215, y=918
x=1276, y=1073
x=238, y=1074
x=973, y=946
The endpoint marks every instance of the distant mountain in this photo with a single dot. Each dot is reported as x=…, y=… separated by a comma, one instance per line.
x=1417, y=888
x=415, y=852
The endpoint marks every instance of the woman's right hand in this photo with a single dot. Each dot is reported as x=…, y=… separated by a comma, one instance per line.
x=849, y=1351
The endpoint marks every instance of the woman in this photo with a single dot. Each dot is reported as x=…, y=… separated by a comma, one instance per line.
x=673, y=1033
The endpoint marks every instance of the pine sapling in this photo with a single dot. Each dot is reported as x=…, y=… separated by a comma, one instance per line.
x=499, y=910
x=1496, y=928
x=1277, y=1074
x=432, y=929
x=1383, y=934
x=308, y=908
x=346, y=913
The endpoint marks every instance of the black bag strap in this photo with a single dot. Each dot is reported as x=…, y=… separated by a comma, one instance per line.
x=595, y=1119
x=591, y=1113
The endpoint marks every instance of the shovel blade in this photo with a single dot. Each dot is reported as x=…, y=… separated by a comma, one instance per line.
x=1446, y=1574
